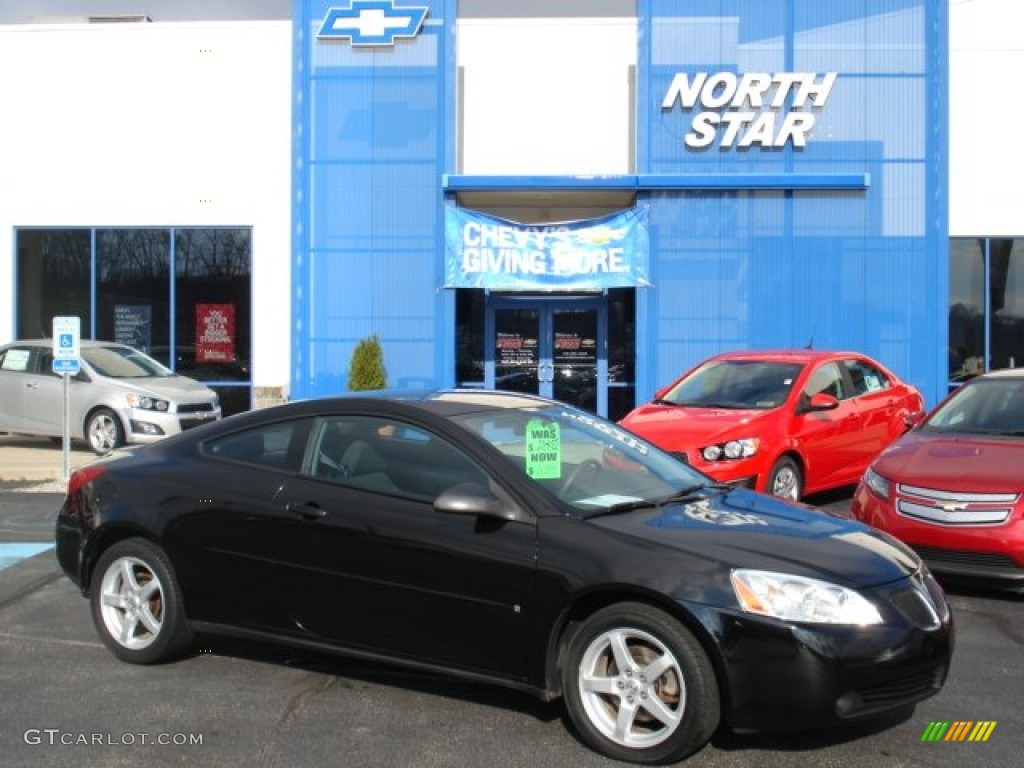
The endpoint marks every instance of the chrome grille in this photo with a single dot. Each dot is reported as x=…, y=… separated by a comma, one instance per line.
x=953, y=508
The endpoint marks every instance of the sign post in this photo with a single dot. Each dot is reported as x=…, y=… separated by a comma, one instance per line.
x=67, y=363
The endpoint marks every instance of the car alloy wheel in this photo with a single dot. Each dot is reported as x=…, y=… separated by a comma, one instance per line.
x=785, y=480
x=137, y=605
x=104, y=431
x=639, y=687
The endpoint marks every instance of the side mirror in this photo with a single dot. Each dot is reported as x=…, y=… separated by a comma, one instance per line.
x=820, y=402
x=913, y=418
x=472, y=499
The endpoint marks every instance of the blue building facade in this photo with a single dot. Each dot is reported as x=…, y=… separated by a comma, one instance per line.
x=789, y=158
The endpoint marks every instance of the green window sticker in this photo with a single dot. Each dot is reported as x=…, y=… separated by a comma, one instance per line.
x=543, y=450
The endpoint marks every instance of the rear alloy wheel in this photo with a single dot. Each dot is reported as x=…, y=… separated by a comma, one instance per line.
x=786, y=481
x=136, y=604
x=639, y=687
x=104, y=431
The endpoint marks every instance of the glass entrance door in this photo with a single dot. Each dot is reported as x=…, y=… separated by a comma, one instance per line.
x=553, y=348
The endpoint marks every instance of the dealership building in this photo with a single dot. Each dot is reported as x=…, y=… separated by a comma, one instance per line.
x=581, y=199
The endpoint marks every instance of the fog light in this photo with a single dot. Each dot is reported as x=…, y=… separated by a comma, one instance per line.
x=145, y=428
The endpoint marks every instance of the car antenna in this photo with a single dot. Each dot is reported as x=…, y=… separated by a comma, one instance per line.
x=810, y=343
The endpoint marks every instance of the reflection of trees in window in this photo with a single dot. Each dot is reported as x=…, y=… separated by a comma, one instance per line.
x=133, y=270
x=213, y=253
x=53, y=279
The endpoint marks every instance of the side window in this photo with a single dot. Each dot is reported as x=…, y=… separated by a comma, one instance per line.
x=15, y=360
x=275, y=446
x=827, y=379
x=865, y=377
x=388, y=456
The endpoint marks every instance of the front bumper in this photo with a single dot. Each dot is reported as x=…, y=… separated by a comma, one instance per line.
x=148, y=426
x=782, y=676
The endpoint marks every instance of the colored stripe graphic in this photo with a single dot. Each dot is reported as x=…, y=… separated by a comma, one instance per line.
x=958, y=730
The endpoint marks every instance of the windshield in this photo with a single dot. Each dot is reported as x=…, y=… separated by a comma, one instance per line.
x=984, y=406
x=119, y=362
x=582, y=459
x=741, y=384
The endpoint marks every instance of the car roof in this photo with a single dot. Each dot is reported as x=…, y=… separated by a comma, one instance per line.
x=49, y=343
x=1004, y=373
x=443, y=402
x=797, y=355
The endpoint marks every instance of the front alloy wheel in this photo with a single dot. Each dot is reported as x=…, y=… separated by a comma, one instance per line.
x=104, y=431
x=639, y=687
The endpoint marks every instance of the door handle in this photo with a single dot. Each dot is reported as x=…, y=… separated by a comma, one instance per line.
x=31, y=385
x=308, y=511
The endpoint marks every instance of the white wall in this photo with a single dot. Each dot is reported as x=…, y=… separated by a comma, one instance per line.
x=183, y=124
x=986, y=115
x=547, y=95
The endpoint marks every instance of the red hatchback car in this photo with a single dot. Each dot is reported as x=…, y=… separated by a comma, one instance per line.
x=953, y=487
x=785, y=422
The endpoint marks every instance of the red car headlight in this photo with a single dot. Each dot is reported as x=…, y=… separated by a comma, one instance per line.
x=731, y=450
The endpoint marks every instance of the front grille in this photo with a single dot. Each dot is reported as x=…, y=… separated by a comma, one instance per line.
x=952, y=508
x=917, y=606
x=189, y=423
x=907, y=688
x=195, y=408
x=981, y=560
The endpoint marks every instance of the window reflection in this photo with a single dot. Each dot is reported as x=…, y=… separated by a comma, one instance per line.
x=986, y=331
x=53, y=279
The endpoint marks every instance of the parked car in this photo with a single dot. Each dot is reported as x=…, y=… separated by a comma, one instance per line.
x=119, y=396
x=785, y=422
x=953, y=487
x=507, y=538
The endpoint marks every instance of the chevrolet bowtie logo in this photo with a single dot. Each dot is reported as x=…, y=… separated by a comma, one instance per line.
x=951, y=506
x=372, y=22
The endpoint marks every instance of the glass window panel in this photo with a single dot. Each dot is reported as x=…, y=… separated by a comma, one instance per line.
x=469, y=336
x=966, y=307
x=213, y=317
x=133, y=286
x=1006, y=291
x=53, y=267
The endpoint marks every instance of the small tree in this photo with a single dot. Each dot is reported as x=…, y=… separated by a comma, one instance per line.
x=366, y=370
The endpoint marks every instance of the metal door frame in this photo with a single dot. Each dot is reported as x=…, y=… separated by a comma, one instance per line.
x=546, y=307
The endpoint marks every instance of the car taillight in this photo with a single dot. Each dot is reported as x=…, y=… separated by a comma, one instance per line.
x=79, y=478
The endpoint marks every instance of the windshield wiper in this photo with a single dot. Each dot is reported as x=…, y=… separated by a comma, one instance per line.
x=661, y=401
x=683, y=494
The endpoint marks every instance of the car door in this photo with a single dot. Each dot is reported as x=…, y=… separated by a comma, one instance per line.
x=830, y=439
x=365, y=560
x=14, y=380
x=43, y=402
x=879, y=406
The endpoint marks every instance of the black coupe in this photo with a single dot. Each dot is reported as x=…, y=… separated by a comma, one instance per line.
x=507, y=538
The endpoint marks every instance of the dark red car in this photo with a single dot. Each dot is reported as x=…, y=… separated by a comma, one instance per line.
x=953, y=487
x=786, y=422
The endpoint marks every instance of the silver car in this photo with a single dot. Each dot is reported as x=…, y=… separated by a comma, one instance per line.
x=119, y=396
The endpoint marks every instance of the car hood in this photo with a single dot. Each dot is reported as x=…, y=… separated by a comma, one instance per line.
x=679, y=426
x=744, y=529
x=974, y=463
x=170, y=387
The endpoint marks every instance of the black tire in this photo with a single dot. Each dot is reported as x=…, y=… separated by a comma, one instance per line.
x=786, y=480
x=137, y=605
x=662, y=720
x=103, y=431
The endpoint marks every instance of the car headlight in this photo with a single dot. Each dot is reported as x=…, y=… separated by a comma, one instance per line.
x=147, y=403
x=731, y=450
x=797, y=598
x=878, y=484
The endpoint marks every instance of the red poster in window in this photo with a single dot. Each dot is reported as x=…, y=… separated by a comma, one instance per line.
x=215, y=333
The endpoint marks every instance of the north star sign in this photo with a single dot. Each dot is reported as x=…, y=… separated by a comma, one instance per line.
x=372, y=22
x=756, y=109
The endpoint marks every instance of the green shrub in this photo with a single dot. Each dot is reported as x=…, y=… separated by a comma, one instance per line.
x=366, y=370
